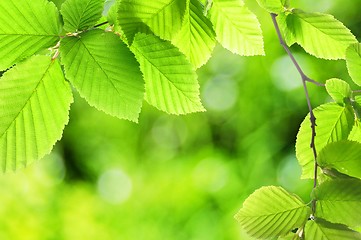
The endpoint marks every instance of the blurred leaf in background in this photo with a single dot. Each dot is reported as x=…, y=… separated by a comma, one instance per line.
x=176, y=177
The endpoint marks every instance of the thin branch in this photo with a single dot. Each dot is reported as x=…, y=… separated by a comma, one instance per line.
x=305, y=79
x=101, y=24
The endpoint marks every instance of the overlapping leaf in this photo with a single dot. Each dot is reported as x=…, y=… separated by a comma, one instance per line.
x=339, y=90
x=162, y=17
x=273, y=6
x=196, y=38
x=171, y=83
x=334, y=123
x=355, y=134
x=105, y=72
x=34, y=105
x=81, y=14
x=236, y=27
x=316, y=32
x=353, y=60
x=344, y=156
x=26, y=27
x=323, y=230
x=271, y=212
x=339, y=201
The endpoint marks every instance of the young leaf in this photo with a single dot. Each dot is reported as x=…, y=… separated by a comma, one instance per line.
x=316, y=32
x=171, y=83
x=105, y=72
x=355, y=134
x=237, y=28
x=284, y=21
x=334, y=123
x=26, y=28
x=34, y=106
x=162, y=17
x=353, y=61
x=339, y=201
x=272, y=6
x=196, y=39
x=271, y=212
x=339, y=90
x=81, y=14
x=322, y=230
x=344, y=156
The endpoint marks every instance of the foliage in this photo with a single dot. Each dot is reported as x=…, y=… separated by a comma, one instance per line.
x=150, y=51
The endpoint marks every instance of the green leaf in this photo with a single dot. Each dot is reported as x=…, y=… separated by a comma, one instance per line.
x=171, y=83
x=34, y=106
x=339, y=201
x=316, y=32
x=272, y=6
x=339, y=90
x=271, y=212
x=284, y=21
x=105, y=72
x=344, y=156
x=81, y=14
x=237, y=28
x=162, y=17
x=334, y=123
x=355, y=134
x=26, y=28
x=322, y=230
x=196, y=39
x=353, y=61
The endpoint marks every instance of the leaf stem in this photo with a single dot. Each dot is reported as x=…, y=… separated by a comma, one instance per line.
x=305, y=79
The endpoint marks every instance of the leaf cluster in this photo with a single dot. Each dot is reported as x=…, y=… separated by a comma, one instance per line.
x=115, y=54
x=333, y=212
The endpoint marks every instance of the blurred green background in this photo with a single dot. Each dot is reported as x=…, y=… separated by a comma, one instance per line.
x=176, y=177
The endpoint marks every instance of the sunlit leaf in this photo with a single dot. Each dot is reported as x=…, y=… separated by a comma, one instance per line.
x=34, y=105
x=353, y=60
x=171, y=83
x=236, y=27
x=316, y=32
x=339, y=90
x=344, y=156
x=81, y=14
x=334, y=123
x=339, y=201
x=355, y=134
x=162, y=17
x=105, y=72
x=196, y=39
x=322, y=230
x=273, y=6
x=271, y=212
x=25, y=28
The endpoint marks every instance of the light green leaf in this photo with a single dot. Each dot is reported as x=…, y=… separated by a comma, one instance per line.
x=236, y=27
x=322, y=230
x=316, y=32
x=81, y=14
x=355, y=134
x=162, y=17
x=196, y=39
x=272, y=6
x=284, y=21
x=26, y=28
x=171, y=83
x=344, y=156
x=339, y=90
x=353, y=61
x=271, y=212
x=105, y=72
x=34, y=106
x=334, y=123
x=339, y=201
